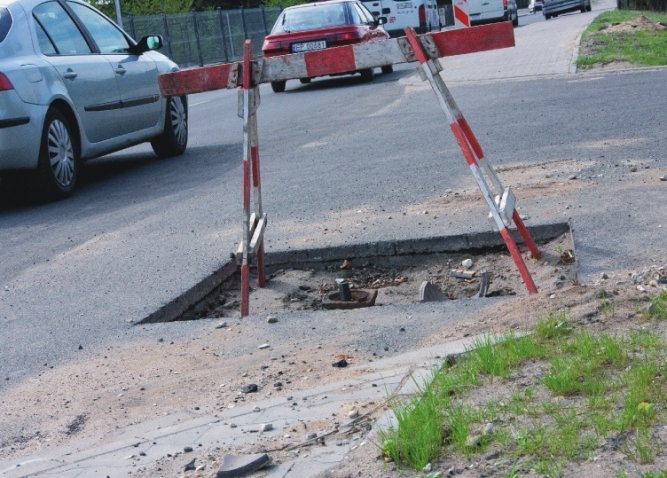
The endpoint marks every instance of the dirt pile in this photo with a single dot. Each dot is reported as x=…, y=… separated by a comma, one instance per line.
x=641, y=23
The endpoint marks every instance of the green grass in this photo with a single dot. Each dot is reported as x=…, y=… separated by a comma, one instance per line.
x=588, y=389
x=658, y=307
x=599, y=46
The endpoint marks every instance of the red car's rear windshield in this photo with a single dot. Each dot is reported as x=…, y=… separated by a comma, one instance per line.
x=310, y=18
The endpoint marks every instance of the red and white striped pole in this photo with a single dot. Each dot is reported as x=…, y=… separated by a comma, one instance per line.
x=461, y=16
x=469, y=147
x=245, y=266
x=257, y=184
x=484, y=164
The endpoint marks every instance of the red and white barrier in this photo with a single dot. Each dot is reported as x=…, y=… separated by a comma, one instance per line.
x=340, y=59
x=248, y=75
x=252, y=244
x=461, y=16
x=502, y=210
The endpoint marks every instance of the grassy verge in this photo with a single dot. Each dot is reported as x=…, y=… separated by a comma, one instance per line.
x=541, y=402
x=600, y=44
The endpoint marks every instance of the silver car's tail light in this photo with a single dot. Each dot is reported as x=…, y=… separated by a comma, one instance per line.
x=5, y=84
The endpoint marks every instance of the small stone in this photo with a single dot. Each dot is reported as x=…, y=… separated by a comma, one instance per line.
x=354, y=413
x=263, y=346
x=250, y=388
x=256, y=409
x=488, y=429
x=311, y=436
x=604, y=276
x=271, y=319
x=188, y=449
x=346, y=265
x=221, y=325
x=552, y=296
x=572, y=177
x=427, y=468
x=266, y=427
x=201, y=467
x=473, y=441
x=467, y=263
x=633, y=169
x=233, y=425
x=190, y=466
x=342, y=363
x=641, y=288
x=663, y=177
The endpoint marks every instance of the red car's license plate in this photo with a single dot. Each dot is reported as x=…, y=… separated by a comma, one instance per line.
x=308, y=46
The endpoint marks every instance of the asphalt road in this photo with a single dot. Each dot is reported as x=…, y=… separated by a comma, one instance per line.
x=339, y=158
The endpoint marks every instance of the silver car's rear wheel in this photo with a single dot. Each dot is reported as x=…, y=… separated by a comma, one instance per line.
x=58, y=157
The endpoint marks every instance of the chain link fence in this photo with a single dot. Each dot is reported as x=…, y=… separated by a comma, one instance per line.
x=202, y=38
x=216, y=36
x=654, y=5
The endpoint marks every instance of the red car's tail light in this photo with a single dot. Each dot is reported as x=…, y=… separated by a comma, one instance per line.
x=271, y=48
x=349, y=36
x=422, y=15
x=5, y=84
x=505, y=4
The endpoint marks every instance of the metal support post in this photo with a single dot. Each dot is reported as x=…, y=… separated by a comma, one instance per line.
x=430, y=71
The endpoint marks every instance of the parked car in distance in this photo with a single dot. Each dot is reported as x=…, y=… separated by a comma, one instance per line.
x=535, y=5
x=552, y=8
x=315, y=26
x=74, y=86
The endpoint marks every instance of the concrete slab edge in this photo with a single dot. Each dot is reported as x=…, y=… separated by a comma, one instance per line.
x=472, y=241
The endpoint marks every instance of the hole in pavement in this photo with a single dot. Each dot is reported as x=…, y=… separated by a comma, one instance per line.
x=379, y=274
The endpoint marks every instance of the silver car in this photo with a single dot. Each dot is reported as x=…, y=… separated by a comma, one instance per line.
x=552, y=8
x=74, y=86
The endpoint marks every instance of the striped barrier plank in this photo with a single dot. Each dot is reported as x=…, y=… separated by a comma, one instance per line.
x=342, y=59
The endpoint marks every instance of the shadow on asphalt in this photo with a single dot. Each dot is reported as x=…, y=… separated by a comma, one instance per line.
x=110, y=180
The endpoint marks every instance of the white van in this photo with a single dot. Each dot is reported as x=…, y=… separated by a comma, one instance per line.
x=422, y=15
x=484, y=11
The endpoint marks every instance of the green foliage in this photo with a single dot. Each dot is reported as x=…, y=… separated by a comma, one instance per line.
x=143, y=7
x=282, y=3
x=599, y=46
x=595, y=389
x=658, y=307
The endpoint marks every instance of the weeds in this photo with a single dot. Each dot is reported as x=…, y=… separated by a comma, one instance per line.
x=594, y=388
x=601, y=46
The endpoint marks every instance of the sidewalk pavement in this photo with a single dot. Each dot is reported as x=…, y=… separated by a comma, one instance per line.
x=128, y=451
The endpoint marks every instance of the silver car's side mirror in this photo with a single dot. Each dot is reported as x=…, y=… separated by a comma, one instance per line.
x=147, y=43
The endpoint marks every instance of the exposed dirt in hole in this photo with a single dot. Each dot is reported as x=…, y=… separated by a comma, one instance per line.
x=397, y=280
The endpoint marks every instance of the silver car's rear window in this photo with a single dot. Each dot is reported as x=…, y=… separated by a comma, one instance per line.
x=5, y=23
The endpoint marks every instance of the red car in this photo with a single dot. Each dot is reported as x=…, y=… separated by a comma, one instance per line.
x=314, y=26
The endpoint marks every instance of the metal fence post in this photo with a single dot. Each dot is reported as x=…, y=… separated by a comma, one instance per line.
x=231, y=36
x=222, y=32
x=245, y=28
x=197, y=40
x=165, y=25
x=130, y=20
x=266, y=30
